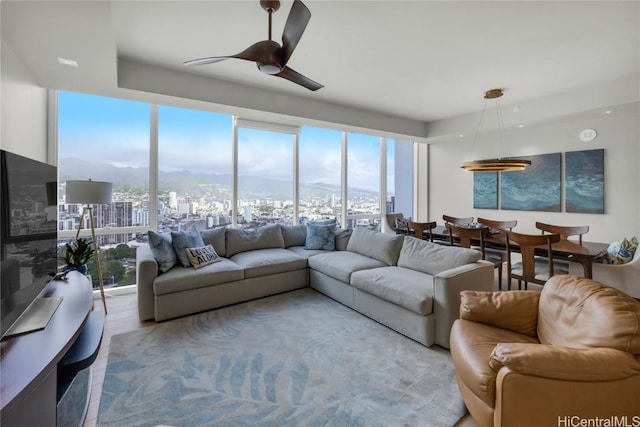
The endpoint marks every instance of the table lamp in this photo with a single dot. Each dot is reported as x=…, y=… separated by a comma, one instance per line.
x=90, y=193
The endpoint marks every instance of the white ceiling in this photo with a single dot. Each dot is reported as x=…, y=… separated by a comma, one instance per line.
x=417, y=60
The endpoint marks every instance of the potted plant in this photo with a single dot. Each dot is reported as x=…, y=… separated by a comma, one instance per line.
x=78, y=253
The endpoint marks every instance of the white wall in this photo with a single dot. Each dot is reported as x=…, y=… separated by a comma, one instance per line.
x=451, y=188
x=23, y=115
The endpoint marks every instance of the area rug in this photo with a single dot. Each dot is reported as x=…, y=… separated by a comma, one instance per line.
x=294, y=359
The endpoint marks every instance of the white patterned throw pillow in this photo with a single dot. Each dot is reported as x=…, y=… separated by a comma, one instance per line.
x=199, y=257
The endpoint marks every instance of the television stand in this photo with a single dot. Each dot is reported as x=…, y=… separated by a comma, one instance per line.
x=35, y=317
x=30, y=362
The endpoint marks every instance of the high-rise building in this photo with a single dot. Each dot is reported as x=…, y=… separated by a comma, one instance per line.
x=173, y=200
x=247, y=213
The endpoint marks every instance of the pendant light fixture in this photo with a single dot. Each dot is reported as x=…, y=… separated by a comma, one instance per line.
x=499, y=164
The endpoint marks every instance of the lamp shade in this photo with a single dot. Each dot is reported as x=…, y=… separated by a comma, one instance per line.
x=89, y=192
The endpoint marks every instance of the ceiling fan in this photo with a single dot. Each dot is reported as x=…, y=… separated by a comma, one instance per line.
x=270, y=57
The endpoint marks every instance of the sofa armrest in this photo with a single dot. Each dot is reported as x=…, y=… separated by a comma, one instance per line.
x=564, y=363
x=146, y=273
x=516, y=311
x=447, y=287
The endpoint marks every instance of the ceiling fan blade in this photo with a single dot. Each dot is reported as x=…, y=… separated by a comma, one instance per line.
x=265, y=51
x=294, y=76
x=203, y=61
x=297, y=21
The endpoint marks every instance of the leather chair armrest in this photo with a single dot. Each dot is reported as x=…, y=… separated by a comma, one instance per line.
x=516, y=311
x=564, y=363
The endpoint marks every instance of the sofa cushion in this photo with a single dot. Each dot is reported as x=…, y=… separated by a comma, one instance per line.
x=306, y=253
x=431, y=258
x=293, y=235
x=381, y=246
x=340, y=264
x=182, y=240
x=263, y=262
x=581, y=313
x=242, y=239
x=182, y=279
x=407, y=288
x=162, y=250
x=342, y=238
x=321, y=236
x=216, y=238
x=471, y=347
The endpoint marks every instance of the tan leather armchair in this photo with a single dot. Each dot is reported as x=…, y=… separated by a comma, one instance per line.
x=525, y=358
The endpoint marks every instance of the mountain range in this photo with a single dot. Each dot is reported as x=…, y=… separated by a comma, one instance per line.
x=184, y=181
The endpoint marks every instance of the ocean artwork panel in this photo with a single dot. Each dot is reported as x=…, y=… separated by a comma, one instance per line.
x=537, y=188
x=485, y=190
x=584, y=181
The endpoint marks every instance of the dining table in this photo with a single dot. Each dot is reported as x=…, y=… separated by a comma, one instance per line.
x=583, y=253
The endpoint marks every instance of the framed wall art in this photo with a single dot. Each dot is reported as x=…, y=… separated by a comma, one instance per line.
x=584, y=181
x=485, y=190
x=536, y=188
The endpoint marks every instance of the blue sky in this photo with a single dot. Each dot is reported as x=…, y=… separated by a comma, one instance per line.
x=116, y=131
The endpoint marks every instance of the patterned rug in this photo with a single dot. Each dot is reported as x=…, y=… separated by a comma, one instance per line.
x=295, y=359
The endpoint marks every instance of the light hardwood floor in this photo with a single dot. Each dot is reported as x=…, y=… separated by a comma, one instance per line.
x=123, y=317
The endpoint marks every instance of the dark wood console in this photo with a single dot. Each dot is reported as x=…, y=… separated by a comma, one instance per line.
x=29, y=364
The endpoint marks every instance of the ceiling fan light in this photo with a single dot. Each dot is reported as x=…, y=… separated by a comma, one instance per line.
x=269, y=68
x=496, y=165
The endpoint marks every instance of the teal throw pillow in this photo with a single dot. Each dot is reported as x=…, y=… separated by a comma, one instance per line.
x=321, y=237
x=162, y=250
x=184, y=240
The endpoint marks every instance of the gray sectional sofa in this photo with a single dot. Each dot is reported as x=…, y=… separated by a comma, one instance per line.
x=410, y=285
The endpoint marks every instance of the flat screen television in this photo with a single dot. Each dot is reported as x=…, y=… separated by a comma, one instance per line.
x=28, y=234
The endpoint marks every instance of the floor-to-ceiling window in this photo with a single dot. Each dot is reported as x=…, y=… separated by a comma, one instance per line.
x=400, y=187
x=363, y=181
x=194, y=169
x=176, y=167
x=105, y=139
x=265, y=177
x=320, y=160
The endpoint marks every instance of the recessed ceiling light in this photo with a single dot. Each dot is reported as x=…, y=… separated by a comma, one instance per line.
x=461, y=136
x=66, y=61
x=608, y=112
x=519, y=126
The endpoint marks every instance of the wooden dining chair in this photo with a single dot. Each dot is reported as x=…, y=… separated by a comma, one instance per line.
x=419, y=229
x=456, y=221
x=467, y=237
x=498, y=225
x=564, y=231
x=562, y=265
x=528, y=270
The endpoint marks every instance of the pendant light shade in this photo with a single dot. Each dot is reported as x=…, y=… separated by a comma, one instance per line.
x=500, y=164
x=496, y=165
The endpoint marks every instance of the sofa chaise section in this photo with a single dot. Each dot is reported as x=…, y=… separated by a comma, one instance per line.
x=407, y=284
